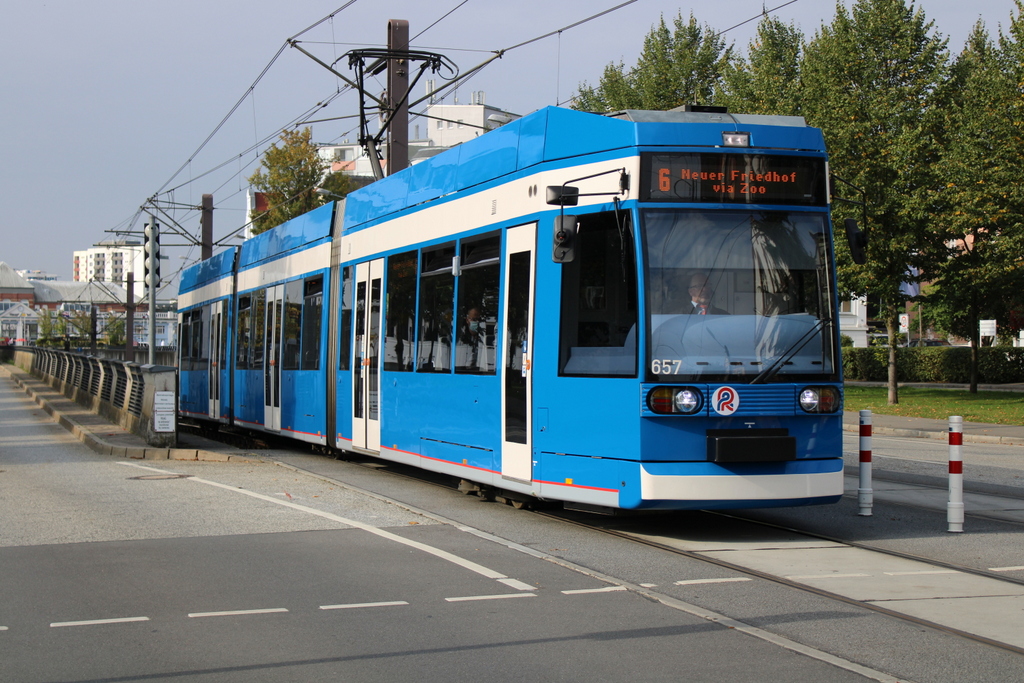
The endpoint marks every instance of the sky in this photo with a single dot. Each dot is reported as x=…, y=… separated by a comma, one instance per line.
x=107, y=103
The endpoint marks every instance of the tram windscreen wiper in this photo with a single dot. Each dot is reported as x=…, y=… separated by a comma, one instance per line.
x=788, y=354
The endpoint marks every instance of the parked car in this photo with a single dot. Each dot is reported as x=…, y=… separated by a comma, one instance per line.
x=929, y=342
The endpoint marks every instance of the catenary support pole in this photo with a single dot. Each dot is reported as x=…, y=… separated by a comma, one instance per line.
x=129, y=318
x=865, y=495
x=955, y=509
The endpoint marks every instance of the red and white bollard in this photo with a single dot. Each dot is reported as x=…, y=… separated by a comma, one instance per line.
x=865, y=495
x=955, y=509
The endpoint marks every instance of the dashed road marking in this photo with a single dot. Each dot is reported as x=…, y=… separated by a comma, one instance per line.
x=827, y=576
x=1007, y=569
x=96, y=622
x=733, y=579
x=237, y=612
x=503, y=596
x=358, y=605
x=606, y=589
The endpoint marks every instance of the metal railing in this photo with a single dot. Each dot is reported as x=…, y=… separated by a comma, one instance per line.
x=122, y=392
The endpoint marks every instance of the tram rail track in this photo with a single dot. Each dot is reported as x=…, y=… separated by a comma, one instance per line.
x=790, y=583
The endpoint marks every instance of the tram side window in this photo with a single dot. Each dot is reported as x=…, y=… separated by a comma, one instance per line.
x=312, y=322
x=345, y=322
x=599, y=300
x=259, y=307
x=437, y=297
x=185, y=341
x=480, y=266
x=244, y=332
x=400, y=312
x=292, y=325
x=200, y=338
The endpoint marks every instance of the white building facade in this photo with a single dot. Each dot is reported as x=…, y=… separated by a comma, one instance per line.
x=111, y=261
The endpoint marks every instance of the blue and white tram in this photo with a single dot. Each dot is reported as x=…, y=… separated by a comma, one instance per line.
x=280, y=359
x=633, y=311
x=205, y=329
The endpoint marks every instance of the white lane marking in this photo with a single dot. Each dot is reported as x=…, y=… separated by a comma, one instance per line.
x=436, y=552
x=1007, y=569
x=517, y=584
x=692, y=582
x=503, y=596
x=923, y=571
x=827, y=576
x=649, y=585
x=236, y=613
x=606, y=589
x=3, y=628
x=358, y=605
x=96, y=622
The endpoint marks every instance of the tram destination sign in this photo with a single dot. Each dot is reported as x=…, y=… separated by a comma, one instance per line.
x=731, y=178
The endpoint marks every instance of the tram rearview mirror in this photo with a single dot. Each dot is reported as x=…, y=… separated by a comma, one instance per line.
x=563, y=247
x=858, y=242
x=563, y=195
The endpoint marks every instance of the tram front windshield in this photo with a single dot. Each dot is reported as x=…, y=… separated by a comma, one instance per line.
x=738, y=296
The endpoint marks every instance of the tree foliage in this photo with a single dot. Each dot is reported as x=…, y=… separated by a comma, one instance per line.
x=289, y=175
x=870, y=80
x=677, y=66
x=767, y=80
x=982, y=197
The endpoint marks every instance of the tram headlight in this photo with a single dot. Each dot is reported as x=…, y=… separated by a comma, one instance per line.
x=675, y=400
x=820, y=399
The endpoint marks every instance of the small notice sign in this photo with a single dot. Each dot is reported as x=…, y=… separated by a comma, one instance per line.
x=163, y=400
x=163, y=422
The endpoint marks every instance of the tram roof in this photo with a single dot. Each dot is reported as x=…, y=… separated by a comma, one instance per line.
x=210, y=270
x=296, y=234
x=558, y=136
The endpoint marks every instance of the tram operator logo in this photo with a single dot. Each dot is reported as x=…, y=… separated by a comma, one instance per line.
x=725, y=400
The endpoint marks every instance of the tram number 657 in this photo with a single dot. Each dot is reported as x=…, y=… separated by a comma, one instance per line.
x=666, y=367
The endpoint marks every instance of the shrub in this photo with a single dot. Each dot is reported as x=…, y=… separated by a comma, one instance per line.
x=941, y=364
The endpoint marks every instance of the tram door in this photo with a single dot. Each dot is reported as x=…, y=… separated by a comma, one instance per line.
x=517, y=374
x=366, y=357
x=272, y=363
x=216, y=357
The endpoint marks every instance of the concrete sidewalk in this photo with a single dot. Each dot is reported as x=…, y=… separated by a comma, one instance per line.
x=107, y=438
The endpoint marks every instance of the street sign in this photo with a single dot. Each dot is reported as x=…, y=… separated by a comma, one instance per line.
x=904, y=323
x=987, y=328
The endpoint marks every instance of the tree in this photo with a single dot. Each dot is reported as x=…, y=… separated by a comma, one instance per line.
x=114, y=332
x=870, y=81
x=767, y=80
x=983, y=201
x=676, y=67
x=51, y=325
x=290, y=172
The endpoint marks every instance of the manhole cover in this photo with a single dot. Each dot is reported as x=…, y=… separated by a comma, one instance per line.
x=162, y=476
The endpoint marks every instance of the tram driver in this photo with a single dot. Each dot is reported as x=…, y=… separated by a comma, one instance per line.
x=701, y=294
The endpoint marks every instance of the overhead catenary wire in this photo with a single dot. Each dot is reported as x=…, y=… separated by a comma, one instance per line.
x=306, y=117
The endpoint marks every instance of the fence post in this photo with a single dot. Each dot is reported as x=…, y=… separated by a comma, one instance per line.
x=955, y=509
x=865, y=495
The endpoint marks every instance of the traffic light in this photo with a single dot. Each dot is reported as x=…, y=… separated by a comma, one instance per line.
x=151, y=267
